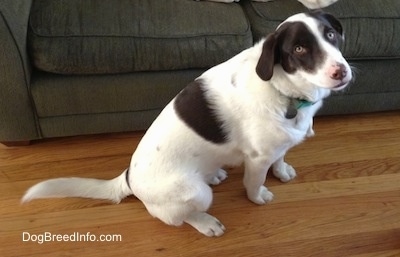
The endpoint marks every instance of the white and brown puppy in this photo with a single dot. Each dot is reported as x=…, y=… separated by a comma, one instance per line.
x=311, y=4
x=251, y=108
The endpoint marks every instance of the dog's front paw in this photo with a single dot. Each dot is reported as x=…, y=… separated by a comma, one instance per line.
x=284, y=171
x=262, y=197
x=206, y=224
x=310, y=132
x=216, y=179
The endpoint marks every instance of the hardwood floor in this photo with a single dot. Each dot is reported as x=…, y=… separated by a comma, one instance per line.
x=344, y=202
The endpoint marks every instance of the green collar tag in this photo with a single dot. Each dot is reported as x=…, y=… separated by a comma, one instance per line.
x=300, y=103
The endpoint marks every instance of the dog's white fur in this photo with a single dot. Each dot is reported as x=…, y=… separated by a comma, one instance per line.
x=311, y=4
x=172, y=167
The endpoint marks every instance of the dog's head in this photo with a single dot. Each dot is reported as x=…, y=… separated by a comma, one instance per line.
x=306, y=45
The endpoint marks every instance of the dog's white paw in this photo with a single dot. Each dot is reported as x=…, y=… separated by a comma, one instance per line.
x=310, y=132
x=206, y=224
x=264, y=196
x=220, y=176
x=284, y=172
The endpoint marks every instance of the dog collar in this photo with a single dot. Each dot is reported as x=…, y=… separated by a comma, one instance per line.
x=301, y=103
x=296, y=104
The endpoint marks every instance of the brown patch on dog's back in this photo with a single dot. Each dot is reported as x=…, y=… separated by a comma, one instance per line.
x=193, y=108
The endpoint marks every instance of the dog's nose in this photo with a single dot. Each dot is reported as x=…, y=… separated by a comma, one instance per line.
x=338, y=71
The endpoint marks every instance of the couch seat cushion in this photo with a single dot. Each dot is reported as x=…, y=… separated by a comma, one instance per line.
x=92, y=36
x=371, y=27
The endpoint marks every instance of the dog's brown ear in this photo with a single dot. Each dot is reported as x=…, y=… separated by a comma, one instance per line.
x=335, y=23
x=265, y=65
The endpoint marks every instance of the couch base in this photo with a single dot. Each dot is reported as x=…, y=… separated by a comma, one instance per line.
x=16, y=143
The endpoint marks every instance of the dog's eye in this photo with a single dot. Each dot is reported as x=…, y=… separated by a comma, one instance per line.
x=299, y=49
x=330, y=35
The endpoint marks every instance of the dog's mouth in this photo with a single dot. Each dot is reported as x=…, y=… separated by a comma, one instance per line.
x=340, y=86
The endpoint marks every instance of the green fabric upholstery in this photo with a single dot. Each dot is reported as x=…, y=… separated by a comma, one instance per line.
x=17, y=114
x=371, y=27
x=73, y=67
x=71, y=125
x=96, y=37
x=376, y=88
x=61, y=95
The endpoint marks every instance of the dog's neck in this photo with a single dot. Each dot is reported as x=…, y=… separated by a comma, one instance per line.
x=297, y=99
x=294, y=105
x=294, y=86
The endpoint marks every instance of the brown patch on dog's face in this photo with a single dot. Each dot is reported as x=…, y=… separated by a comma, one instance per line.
x=298, y=48
x=329, y=27
x=294, y=46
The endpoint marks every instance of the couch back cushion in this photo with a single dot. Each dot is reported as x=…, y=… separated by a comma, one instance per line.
x=97, y=37
x=371, y=27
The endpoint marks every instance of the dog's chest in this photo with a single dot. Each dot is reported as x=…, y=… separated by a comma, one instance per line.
x=301, y=125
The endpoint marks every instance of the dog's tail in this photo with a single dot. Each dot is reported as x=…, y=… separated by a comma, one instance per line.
x=115, y=189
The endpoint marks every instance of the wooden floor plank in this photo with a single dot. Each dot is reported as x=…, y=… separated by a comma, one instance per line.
x=344, y=202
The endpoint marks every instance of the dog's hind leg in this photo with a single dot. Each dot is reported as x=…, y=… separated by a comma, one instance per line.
x=188, y=205
x=217, y=177
x=283, y=171
x=199, y=219
x=205, y=224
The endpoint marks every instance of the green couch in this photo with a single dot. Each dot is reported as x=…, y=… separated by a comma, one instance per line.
x=72, y=67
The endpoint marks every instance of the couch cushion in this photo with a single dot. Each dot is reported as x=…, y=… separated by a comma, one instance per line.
x=371, y=27
x=57, y=95
x=92, y=36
